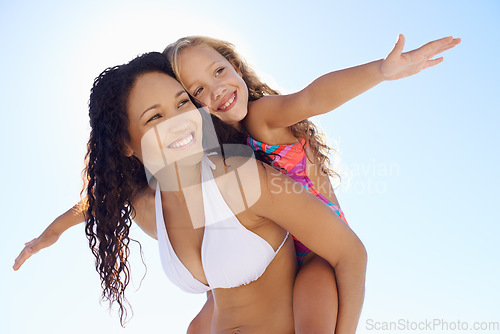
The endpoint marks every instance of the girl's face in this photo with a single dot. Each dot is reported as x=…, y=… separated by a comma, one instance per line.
x=164, y=126
x=214, y=82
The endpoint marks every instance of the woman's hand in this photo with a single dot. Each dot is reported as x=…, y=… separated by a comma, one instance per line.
x=68, y=219
x=46, y=239
x=399, y=65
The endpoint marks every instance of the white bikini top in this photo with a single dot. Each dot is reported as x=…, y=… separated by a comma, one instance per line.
x=231, y=255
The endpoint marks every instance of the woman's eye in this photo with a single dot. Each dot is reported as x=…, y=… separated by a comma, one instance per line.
x=153, y=118
x=219, y=71
x=197, y=92
x=182, y=103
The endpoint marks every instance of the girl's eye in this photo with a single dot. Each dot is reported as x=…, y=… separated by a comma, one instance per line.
x=153, y=118
x=197, y=92
x=219, y=71
x=182, y=103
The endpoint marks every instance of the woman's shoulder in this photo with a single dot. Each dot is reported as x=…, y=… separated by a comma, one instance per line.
x=242, y=182
x=146, y=193
x=144, y=207
x=244, y=166
x=240, y=179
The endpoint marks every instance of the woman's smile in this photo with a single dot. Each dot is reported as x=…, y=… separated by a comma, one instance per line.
x=183, y=142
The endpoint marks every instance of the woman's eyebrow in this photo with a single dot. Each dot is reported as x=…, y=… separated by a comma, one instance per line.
x=152, y=107
x=179, y=93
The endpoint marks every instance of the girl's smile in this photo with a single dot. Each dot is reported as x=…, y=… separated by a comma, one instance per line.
x=226, y=106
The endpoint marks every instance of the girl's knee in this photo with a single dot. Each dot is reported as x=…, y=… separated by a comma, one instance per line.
x=317, y=269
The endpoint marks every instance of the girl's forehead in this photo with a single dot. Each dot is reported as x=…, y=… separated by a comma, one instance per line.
x=201, y=53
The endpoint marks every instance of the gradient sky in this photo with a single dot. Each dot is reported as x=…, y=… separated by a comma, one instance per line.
x=418, y=157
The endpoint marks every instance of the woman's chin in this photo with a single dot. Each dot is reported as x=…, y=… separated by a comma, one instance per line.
x=191, y=159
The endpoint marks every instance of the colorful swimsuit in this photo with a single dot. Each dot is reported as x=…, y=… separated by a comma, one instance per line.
x=292, y=160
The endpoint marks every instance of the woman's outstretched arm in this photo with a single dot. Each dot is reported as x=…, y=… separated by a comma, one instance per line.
x=51, y=234
x=143, y=203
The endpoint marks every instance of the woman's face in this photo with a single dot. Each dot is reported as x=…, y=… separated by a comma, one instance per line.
x=164, y=126
x=214, y=82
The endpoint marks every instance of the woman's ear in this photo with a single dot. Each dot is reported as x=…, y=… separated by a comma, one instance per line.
x=128, y=151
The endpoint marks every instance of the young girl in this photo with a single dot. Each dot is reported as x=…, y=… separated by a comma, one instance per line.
x=228, y=88
x=218, y=78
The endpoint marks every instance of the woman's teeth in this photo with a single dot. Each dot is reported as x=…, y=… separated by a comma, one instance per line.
x=228, y=103
x=182, y=142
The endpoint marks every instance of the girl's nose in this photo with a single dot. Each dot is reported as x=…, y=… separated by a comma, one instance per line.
x=218, y=92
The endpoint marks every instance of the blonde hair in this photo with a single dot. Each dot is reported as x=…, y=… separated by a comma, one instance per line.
x=256, y=89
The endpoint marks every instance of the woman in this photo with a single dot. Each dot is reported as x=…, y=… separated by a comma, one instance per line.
x=128, y=107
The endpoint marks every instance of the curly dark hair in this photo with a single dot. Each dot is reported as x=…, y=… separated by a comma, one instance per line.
x=113, y=179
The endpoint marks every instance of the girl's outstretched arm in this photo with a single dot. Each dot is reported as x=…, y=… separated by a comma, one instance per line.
x=335, y=88
x=51, y=234
x=320, y=229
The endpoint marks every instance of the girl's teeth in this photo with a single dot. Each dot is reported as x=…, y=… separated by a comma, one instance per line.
x=228, y=103
x=183, y=142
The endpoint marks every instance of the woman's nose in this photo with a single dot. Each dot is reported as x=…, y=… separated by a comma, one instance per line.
x=177, y=124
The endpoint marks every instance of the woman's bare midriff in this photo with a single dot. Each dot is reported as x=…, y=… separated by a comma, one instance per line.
x=263, y=306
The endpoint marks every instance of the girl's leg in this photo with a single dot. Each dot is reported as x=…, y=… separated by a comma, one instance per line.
x=202, y=323
x=315, y=298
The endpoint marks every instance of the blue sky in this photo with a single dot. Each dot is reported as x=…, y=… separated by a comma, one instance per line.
x=418, y=156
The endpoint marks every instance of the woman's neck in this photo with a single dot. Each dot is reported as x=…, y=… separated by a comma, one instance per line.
x=177, y=177
x=187, y=196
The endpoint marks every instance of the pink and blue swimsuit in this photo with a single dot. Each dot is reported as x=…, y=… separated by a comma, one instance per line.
x=292, y=160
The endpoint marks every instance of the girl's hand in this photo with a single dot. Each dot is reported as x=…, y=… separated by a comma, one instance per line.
x=399, y=65
x=46, y=239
